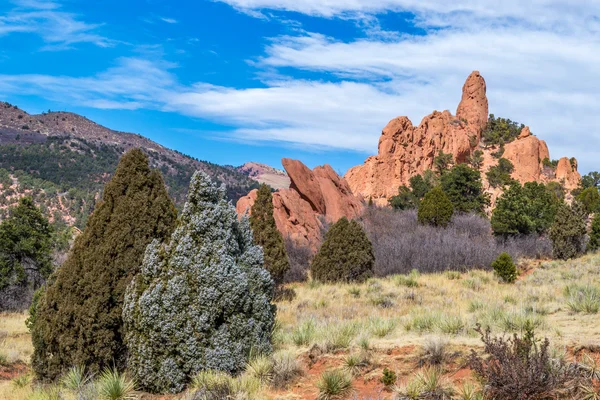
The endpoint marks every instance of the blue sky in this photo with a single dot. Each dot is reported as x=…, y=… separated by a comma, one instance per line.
x=231, y=81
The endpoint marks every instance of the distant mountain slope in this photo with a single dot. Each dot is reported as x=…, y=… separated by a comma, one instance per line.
x=64, y=159
x=262, y=173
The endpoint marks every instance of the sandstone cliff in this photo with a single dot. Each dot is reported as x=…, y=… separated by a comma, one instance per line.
x=406, y=150
x=314, y=198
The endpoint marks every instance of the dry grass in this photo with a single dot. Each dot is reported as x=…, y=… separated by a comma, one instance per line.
x=383, y=314
x=15, y=342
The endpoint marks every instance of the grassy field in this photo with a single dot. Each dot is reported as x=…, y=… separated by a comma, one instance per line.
x=407, y=324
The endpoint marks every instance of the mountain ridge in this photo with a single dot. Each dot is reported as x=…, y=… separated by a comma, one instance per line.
x=63, y=159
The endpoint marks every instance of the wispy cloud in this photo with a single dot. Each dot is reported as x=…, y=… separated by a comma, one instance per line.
x=540, y=60
x=59, y=29
x=169, y=20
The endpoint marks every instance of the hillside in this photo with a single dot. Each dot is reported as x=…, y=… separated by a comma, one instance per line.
x=63, y=160
x=262, y=173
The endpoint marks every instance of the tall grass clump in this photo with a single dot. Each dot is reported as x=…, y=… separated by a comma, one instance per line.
x=583, y=298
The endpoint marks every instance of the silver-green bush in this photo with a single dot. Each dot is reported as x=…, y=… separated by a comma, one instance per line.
x=203, y=300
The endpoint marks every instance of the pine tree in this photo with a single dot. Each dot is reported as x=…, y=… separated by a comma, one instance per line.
x=78, y=319
x=463, y=187
x=436, y=208
x=267, y=235
x=26, y=243
x=346, y=255
x=202, y=300
x=594, y=243
x=568, y=232
x=510, y=215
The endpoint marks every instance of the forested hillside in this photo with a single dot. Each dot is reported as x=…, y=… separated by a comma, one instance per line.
x=63, y=160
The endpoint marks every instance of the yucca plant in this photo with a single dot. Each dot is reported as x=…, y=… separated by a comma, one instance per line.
x=21, y=381
x=261, y=368
x=113, y=385
x=468, y=391
x=75, y=379
x=334, y=384
x=304, y=333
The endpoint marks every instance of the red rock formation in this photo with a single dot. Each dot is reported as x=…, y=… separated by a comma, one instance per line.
x=566, y=173
x=405, y=150
x=527, y=153
x=314, y=197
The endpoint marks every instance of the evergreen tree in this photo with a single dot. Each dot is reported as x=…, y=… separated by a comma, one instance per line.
x=202, y=300
x=594, y=243
x=442, y=162
x=567, y=232
x=542, y=205
x=505, y=268
x=26, y=242
x=499, y=175
x=78, y=319
x=267, y=235
x=463, y=187
x=511, y=217
x=476, y=159
x=589, y=199
x=346, y=255
x=409, y=198
x=436, y=208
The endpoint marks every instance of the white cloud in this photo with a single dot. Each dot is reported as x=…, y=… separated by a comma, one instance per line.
x=540, y=60
x=59, y=29
x=169, y=20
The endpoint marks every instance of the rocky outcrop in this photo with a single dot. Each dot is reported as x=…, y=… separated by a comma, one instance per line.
x=527, y=153
x=314, y=198
x=566, y=173
x=405, y=150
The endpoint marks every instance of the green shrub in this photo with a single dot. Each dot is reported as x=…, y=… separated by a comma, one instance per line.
x=409, y=198
x=346, y=255
x=267, y=235
x=594, y=243
x=436, y=208
x=499, y=131
x=79, y=318
x=505, y=268
x=568, y=232
x=388, y=378
x=202, y=300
